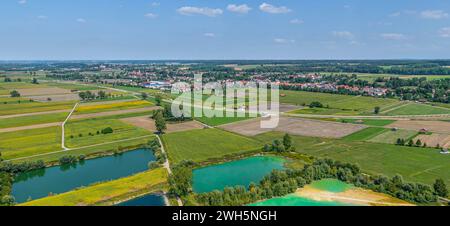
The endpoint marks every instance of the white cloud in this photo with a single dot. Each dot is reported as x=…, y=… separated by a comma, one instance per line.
x=343, y=34
x=42, y=17
x=393, y=36
x=22, y=2
x=296, y=21
x=403, y=12
x=189, y=10
x=155, y=4
x=444, y=32
x=268, y=8
x=283, y=41
x=81, y=20
x=151, y=15
x=433, y=14
x=209, y=35
x=239, y=8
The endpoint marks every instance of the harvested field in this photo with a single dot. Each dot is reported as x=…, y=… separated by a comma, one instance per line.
x=55, y=97
x=434, y=139
x=296, y=126
x=43, y=91
x=288, y=107
x=148, y=124
x=432, y=126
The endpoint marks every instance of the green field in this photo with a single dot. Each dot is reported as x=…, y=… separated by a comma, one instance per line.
x=84, y=127
x=414, y=164
x=30, y=142
x=33, y=120
x=108, y=192
x=201, y=145
x=71, y=86
x=418, y=109
x=365, y=134
x=391, y=136
x=337, y=104
x=369, y=122
x=31, y=107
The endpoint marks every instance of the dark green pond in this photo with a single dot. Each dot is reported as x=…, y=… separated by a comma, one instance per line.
x=147, y=200
x=241, y=172
x=55, y=180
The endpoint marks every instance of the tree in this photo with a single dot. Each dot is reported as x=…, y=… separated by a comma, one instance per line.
x=419, y=143
x=101, y=94
x=440, y=188
x=8, y=79
x=410, y=143
x=107, y=130
x=376, y=110
x=287, y=142
x=144, y=96
x=82, y=95
x=160, y=122
x=14, y=93
x=35, y=81
x=315, y=104
x=181, y=181
x=158, y=100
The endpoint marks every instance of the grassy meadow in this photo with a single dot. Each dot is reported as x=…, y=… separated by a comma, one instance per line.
x=33, y=120
x=417, y=109
x=201, y=145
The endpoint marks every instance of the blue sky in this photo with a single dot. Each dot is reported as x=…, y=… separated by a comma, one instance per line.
x=224, y=29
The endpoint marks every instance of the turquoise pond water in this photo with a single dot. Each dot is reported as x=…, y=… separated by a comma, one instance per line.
x=330, y=185
x=241, y=172
x=55, y=180
x=147, y=200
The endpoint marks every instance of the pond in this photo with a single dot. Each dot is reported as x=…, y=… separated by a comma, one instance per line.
x=59, y=179
x=146, y=200
x=240, y=172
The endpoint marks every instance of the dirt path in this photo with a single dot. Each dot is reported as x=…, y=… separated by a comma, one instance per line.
x=34, y=113
x=63, y=146
x=167, y=166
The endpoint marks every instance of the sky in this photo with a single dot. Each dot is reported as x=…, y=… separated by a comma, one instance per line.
x=224, y=29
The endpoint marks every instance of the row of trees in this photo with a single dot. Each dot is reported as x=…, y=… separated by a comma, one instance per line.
x=160, y=156
x=88, y=95
x=280, y=183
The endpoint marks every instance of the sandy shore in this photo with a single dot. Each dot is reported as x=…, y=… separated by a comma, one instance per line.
x=356, y=196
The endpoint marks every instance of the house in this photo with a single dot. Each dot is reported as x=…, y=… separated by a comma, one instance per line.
x=445, y=151
x=423, y=131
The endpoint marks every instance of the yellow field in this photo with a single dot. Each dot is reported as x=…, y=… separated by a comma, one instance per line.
x=112, y=106
x=109, y=192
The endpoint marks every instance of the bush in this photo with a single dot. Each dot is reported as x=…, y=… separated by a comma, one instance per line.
x=68, y=160
x=107, y=130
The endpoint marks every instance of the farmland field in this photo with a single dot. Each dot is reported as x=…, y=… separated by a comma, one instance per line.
x=201, y=145
x=414, y=164
x=366, y=134
x=337, y=104
x=418, y=109
x=390, y=136
x=32, y=107
x=113, y=106
x=30, y=142
x=108, y=192
x=120, y=131
x=94, y=151
x=33, y=120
